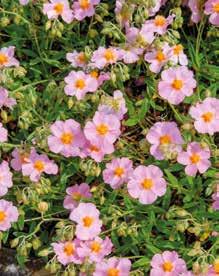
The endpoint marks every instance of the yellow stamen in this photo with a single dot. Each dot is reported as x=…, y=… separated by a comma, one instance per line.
x=102, y=129
x=113, y=272
x=84, y=4
x=160, y=56
x=39, y=165
x=69, y=249
x=216, y=7
x=177, y=49
x=177, y=84
x=165, y=139
x=159, y=21
x=109, y=55
x=2, y=216
x=94, y=74
x=80, y=84
x=207, y=117
x=67, y=138
x=88, y=221
x=167, y=266
x=76, y=196
x=3, y=59
x=195, y=158
x=81, y=57
x=95, y=247
x=147, y=183
x=119, y=171
x=59, y=7
x=94, y=148
x=216, y=266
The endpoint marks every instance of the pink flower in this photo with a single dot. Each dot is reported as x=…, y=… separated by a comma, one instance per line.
x=77, y=59
x=113, y=266
x=67, y=252
x=131, y=54
x=195, y=159
x=213, y=269
x=67, y=138
x=132, y=34
x=3, y=134
x=5, y=100
x=20, y=157
x=158, y=58
x=57, y=8
x=79, y=83
x=146, y=34
x=5, y=179
x=167, y=264
x=75, y=194
x=103, y=128
x=8, y=214
x=215, y=198
x=212, y=8
x=176, y=84
x=95, y=250
x=114, y=105
x=146, y=184
x=23, y=2
x=206, y=115
x=187, y=273
x=164, y=136
x=178, y=56
x=159, y=24
x=86, y=216
x=83, y=8
x=195, y=9
x=103, y=57
x=155, y=8
x=38, y=164
x=99, y=77
x=118, y=172
x=97, y=150
x=7, y=57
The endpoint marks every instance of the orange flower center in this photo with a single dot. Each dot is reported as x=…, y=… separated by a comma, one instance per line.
x=207, y=117
x=80, y=84
x=147, y=183
x=159, y=21
x=84, y=4
x=177, y=84
x=2, y=216
x=195, y=158
x=81, y=58
x=113, y=272
x=167, y=266
x=94, y=74
x=177, y=49
x=216, y=266
x=76, y=196
x=95, y=247
x=88, y=221
x=165, y=139
x=119, y=171
x=216, y=7
x=39, y=165
x=102, y=129
x=24, y=158
x=67, y=138
x=69, y=249
x=109, y=55
x=3, y=59
x=59, y=7
x=94, y=148
x=160, y=56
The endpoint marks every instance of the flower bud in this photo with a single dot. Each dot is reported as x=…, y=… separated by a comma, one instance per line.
x=43, y=207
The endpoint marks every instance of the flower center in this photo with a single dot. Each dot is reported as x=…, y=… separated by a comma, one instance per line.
x=76, y=196
x=80, y=84
x=59, y=7
x=177, y=84
x=39, y=165
x=94, y=74
x=119, y=171
x=113, y=272
x=2, y=216
x=216, y=7
x=24, y=157
x=165, y=139
x=195, y=158
x=94, y=148
x=95, y=247
x=167, y=266
x=207, y=117
x=147, y=183
x=160, y=56
x=88, y=221
x=177, y=49
x=216, y=266
x=69, y=249
x=109, y=55
x=159, y=21
x=67, y=138
x=3, y=59
x=102, y=129
x=84, y=4
x=81, y=58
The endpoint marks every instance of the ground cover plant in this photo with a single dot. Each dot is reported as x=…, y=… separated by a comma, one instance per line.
x=109, y=136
